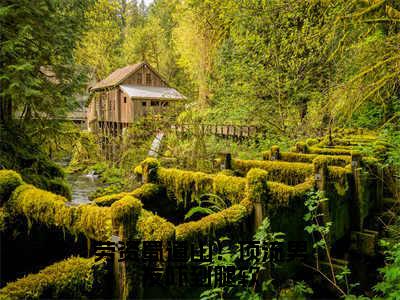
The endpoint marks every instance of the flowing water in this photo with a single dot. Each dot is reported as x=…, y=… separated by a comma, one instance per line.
x=155, y=145
x=82, y=186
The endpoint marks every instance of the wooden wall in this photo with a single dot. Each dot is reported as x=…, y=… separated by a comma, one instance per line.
x=144, y=76
x=116, y=106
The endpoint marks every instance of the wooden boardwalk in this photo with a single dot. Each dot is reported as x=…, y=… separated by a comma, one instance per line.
x=236, y=131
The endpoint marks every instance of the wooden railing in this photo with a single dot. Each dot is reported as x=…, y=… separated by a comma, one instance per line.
x=220, y=130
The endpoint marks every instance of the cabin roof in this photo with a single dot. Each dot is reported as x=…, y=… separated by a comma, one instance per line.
x=116, y=77
x=151, y=92
x=119, y=75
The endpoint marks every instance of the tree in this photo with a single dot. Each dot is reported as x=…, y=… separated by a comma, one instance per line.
x=38, y=74
x=100, y=47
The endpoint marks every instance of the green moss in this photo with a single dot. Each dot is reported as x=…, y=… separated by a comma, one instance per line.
x=50, y=209
x=94, y=222
x=154, y=228
x=311, y=142
x=147, y=192
x=302, y=147
x=138, y=170
x=9, y=181
x=280, y=194
x=209, y=225
x=329, y=151
x=229, y=187
x=286, y=172
x=125, y=210
x=72, y=278
x=107, y=200
x=226, y=172
x=186, y=186
x=2, y=219
x=257, y=185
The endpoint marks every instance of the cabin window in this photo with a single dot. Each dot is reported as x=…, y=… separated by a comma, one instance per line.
x=148, y=79
x=124, y=99
x=154, y=103
x=164, y=104
x=144, y=103
x=139, y=78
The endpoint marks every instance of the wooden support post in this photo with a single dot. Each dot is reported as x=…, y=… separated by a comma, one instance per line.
x=357, y=204
x=119, y=268
x=226, y=161
x=275, y=153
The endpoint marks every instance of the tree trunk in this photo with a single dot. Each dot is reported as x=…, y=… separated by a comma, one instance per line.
x=5, y=110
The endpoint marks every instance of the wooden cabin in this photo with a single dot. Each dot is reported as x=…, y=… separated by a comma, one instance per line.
x=128, y=94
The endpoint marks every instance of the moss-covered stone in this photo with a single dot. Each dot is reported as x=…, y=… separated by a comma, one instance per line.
x=72, y=278
x=9, y=181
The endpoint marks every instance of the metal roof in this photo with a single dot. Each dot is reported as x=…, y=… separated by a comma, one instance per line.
x=152, y=92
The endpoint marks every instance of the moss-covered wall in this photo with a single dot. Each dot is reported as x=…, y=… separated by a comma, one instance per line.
x=280, y=171
x=187, y=187
x=46, y=208
x=72, y=278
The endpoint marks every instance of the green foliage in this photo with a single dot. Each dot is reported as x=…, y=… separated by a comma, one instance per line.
x=74, y=277
x=38, y=71
x=86, y=152
x=209, y=225
x=230, y=256
x=313, y=203
x=211, y=204
x=388, y=288
x=60, y=187
x=24, y=154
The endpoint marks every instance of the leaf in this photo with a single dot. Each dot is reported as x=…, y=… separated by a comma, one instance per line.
x=198, y=210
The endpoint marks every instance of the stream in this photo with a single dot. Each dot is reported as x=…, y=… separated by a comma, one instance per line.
x=82, y=186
